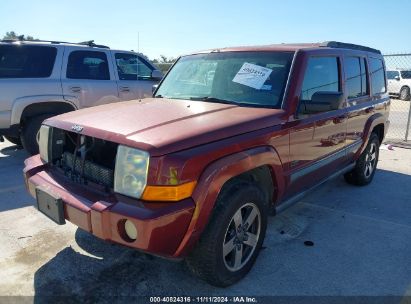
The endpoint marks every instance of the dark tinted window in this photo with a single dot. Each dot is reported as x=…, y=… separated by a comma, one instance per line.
x=132, y=67
x=88, y=65
x=406, y=74
x=377, y=76
x=321, y=75
x=355, y=77
x=392, y=74
x=26, y=61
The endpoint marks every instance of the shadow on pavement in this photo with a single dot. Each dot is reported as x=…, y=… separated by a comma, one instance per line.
x=13, y=193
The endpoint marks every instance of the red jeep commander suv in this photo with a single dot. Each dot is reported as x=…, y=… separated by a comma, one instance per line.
x=230, y=136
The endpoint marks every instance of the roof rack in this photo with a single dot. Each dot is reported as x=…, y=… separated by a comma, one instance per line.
x=343, y=45
x=89, y=43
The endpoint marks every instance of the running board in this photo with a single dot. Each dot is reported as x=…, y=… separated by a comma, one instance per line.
x=295, y=199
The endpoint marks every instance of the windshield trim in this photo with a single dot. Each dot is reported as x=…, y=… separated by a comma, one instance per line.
x=286, y=86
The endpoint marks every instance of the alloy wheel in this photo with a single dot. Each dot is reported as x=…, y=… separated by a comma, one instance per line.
x=241, y=237
x=370, y=160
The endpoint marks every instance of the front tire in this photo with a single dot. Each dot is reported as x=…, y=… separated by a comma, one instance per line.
x=30, y=132
x=233, y=238
x=366, y=165
x=405, y=93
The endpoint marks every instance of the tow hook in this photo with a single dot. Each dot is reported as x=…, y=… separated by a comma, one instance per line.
x=1, y=138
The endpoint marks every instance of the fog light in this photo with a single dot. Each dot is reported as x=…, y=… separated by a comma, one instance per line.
x=131, y=230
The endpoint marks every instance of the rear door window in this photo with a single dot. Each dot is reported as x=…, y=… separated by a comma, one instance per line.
x=26, y=61
x=132, y=67
x=355, y=77
x=406, y=74
x=377, y=76
x=88, y=65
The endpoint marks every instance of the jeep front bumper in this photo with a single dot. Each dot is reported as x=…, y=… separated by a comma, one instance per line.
x=160, y=226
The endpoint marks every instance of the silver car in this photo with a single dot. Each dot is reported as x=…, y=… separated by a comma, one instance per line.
x=40, y=79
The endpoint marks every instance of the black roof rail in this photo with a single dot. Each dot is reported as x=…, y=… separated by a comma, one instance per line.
x=89, y=43
x=343, y=45
x=92, y=44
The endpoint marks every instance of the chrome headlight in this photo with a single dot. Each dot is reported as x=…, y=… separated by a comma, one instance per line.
x=44, y=142
x=130, y=177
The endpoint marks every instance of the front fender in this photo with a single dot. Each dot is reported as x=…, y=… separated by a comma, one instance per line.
x=213, y=179
x=21, y=103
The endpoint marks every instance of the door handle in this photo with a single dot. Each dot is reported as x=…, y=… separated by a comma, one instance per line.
x=124, y=89
x=75, y=89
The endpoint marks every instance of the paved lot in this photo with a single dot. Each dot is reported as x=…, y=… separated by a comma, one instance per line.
x=362, y=245
x=398, y=120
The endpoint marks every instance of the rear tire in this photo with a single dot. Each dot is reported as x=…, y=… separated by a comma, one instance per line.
x=233, y=238
x=366, y=165
x=405, y=93
x=29, y=134
x=14, y=140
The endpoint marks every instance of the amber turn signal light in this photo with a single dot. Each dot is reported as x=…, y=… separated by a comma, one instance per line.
x=169, y=193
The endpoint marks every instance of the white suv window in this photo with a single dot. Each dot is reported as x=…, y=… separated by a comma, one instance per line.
x=392, y=74
x=26, y=61
x=88, y=65
x=132, y=67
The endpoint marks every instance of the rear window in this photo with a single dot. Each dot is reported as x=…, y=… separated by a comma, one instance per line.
x=355, y=77
x=377, y=76
x=26, y=61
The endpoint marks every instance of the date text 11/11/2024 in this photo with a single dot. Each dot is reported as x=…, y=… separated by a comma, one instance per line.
x=203, y=299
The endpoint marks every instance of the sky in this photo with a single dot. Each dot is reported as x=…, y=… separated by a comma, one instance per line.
x=172, y=28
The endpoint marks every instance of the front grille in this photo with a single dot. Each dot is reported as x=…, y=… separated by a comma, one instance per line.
x=83, y=159
x=83, y=171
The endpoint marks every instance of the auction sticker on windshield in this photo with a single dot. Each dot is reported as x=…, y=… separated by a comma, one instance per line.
x=252, y=75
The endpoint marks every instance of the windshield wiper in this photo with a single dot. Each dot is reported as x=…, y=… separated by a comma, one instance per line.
x=213, y=99
x=158, y=96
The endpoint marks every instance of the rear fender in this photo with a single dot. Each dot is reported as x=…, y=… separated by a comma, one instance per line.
x=371, y=123
x=22, y=103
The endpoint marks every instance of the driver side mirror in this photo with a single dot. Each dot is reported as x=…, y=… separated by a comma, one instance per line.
x=397, y=78
x=323, y=102
x=156, y=75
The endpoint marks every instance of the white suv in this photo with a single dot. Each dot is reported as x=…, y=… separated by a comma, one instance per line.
x=399, y=83
x=40, y=79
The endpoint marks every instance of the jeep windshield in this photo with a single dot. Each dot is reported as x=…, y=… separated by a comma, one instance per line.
x=255, y=79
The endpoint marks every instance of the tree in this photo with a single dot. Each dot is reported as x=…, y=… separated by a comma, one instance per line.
x=164, y=59
x=13, y=36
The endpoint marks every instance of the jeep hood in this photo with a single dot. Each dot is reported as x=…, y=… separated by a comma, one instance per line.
x=161, y=126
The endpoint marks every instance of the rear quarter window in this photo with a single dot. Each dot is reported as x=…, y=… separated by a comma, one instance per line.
x=26, y=61
x=377, y=76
